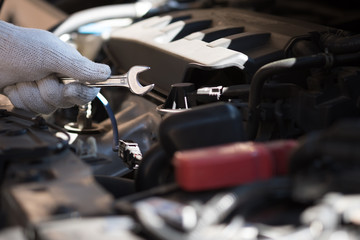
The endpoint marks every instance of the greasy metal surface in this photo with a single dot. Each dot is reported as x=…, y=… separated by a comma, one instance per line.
x=67, y=189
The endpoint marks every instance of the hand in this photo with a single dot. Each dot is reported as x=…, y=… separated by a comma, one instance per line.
x=29, y=59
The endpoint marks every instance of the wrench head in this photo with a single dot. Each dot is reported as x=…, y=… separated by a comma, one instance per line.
x=134, y=84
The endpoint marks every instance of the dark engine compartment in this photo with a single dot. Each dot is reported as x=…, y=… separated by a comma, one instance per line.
x=249, y=133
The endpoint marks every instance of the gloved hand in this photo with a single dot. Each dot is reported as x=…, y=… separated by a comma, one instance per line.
x=28, y=60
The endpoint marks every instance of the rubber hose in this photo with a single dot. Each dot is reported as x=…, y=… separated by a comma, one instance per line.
x=304, y=154
x=338, y=142
x=269, y=70
x=117, y=187
x=283, y=66
x=152, y=168
x=351, y=59
x=340, y=45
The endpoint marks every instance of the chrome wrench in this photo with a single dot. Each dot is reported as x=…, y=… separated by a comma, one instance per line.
x=128, y=80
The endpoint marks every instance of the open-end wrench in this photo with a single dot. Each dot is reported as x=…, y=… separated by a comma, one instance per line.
x=129, y=80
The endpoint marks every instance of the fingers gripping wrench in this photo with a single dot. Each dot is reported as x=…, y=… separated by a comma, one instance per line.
x=129, y=80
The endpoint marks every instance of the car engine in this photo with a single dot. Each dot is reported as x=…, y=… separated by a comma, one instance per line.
x=250, y=130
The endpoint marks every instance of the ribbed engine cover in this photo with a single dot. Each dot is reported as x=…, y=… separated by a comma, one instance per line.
x=176, y=44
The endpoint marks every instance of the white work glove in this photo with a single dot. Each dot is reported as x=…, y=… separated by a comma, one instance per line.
x=29, y=59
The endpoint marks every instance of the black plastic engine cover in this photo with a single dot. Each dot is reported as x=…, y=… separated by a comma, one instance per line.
x=176, y=44
x=21, y=139
x=203, y=126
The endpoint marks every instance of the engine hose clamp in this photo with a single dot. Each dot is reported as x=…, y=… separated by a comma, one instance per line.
x=329, y=59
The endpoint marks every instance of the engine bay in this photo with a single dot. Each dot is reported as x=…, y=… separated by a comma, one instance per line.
x=248, y=133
